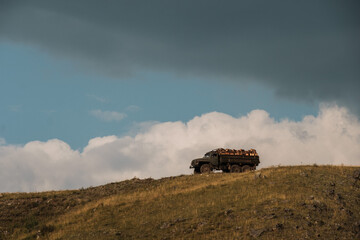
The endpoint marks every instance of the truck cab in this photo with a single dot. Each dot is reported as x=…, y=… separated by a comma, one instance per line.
x=210, y=159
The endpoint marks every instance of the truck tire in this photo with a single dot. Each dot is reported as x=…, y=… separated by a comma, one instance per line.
x=205, y=168
x=235, y=168
x=246, y=168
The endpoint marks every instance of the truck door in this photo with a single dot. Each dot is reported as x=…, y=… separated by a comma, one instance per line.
x=215, y=156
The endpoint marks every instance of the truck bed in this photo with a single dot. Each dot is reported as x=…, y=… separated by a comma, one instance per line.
x=243, y=159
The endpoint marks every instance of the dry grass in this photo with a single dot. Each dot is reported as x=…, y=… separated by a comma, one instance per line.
x=282, y=203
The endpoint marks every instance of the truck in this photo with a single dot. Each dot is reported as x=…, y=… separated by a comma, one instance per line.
x=227, y=160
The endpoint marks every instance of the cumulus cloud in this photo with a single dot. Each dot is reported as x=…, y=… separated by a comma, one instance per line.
x=304, y=50
x=108, y=116
x=164, y=149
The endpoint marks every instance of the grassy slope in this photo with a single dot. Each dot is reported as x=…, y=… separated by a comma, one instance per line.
x=288, y=203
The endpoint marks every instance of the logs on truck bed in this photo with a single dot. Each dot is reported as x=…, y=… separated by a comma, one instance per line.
x=222, y=151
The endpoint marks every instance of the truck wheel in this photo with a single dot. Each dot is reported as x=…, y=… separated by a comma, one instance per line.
x=246, y=168
x=205, y=168
x=196, y=170
x=235, y=168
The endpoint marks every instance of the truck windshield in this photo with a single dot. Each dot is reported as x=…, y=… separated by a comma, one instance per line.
x=207, y=155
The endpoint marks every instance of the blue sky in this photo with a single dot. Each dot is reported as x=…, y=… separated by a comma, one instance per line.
x=43, y=97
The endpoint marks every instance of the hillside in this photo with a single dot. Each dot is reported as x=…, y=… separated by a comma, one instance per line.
x=302, y=202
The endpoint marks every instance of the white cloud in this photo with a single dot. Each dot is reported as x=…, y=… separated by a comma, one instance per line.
x=108, y=116
x=133, y=108
x=2, y=141
x=97, y=98
x=99, y=142
x=15, y=108
x=164, y=149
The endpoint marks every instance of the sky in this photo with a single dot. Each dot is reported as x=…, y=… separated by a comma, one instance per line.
x=93, y=92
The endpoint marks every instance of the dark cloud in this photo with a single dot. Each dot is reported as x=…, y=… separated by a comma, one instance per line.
x=305, y=50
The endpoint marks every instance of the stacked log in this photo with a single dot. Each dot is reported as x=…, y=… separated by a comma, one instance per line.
x=241, y=152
